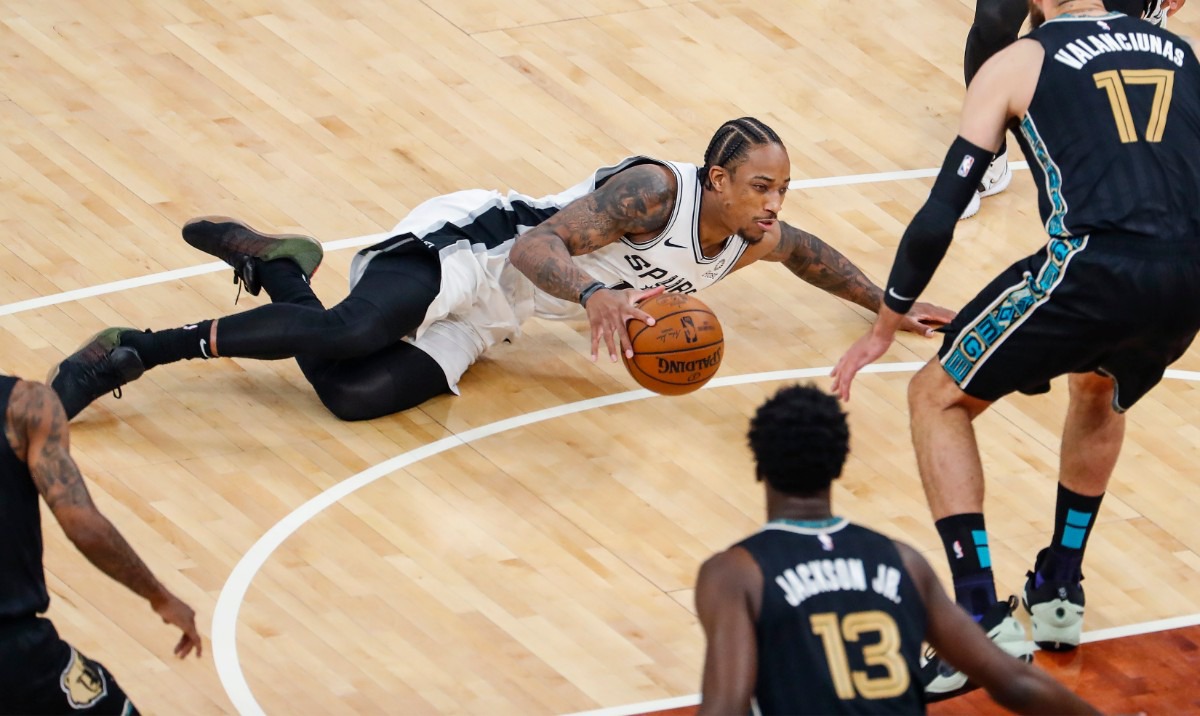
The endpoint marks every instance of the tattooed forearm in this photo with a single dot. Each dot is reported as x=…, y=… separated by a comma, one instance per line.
x=547, y=263
x=104, y=547
x=637, y=201
x=37, y=422
x=824, y=267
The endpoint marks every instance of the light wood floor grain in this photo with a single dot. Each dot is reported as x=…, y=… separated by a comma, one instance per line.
x=548, y=568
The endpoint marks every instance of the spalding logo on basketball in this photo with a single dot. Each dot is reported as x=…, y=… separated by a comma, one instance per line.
x=681, y=351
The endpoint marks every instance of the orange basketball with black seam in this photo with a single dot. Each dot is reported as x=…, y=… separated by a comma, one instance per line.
x=681, y=351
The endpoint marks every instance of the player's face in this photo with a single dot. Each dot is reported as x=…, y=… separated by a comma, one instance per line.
x=754, y=190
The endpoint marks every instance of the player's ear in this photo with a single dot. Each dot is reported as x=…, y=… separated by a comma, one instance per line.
x=718, y=177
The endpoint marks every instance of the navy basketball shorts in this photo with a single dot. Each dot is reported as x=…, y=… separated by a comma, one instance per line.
x=42, y=674
x=1120, y=306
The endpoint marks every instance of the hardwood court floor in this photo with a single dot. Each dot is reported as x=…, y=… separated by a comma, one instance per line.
x=547, y=568
x=1146, y=673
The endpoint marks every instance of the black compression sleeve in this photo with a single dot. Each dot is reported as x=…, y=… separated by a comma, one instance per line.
x=929, y=233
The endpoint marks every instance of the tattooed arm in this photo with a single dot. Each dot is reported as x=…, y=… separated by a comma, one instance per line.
x=36, y=427
x=637, y=201
x=824, y=267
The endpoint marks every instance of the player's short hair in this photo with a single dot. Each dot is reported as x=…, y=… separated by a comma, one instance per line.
x=732, y=142
x=800, y=440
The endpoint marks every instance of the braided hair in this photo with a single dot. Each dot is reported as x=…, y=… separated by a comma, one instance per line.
x=732, y=142
x=800, y=440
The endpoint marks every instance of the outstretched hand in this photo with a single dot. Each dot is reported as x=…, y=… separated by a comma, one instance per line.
x=609, y=310
x=866, y=350
x=174, y=612
x=924, y=318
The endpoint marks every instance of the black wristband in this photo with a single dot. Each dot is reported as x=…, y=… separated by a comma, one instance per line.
x=586, y=293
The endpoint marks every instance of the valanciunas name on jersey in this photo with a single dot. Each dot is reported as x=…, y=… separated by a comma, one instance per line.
x=1077, y=53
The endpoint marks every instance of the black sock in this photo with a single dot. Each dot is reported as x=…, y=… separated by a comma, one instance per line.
x=174, y=344
x=1074, y=517
x=965, y=539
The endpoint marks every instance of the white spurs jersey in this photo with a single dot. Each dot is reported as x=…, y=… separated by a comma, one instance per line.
x=672, y=259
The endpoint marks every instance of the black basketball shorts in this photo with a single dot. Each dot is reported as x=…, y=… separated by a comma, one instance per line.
x=42, y=674
x=1122, y=307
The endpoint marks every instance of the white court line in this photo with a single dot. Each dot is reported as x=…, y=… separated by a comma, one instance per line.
x=1120, y=632
x=173, y=275
x=225, y=615
x=224, y=633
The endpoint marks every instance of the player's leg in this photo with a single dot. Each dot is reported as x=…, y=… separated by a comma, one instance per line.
x=996, y=26
x=952, y=475
x=42, y=674
x=1091, y=442
x=388, y=302
x=397, y=376
x=1132, y=8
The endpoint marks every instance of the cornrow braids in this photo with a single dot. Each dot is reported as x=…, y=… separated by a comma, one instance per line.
x=733, y=141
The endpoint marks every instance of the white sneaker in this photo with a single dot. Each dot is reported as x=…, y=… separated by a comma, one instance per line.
x=995, y=180
x=942, y=681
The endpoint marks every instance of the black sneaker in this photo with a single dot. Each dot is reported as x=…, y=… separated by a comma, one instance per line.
x=239, y=245
x=1055, y=609
x=100, y=365
x=942, y=681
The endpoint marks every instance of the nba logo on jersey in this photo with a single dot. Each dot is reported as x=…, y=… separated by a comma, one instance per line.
x=965, y=168
x=826, y=542
x=958, y=553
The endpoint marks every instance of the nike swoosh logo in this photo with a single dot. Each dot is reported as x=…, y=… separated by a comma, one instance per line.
x=898, y=297
x=204, y=348
x=674, y=246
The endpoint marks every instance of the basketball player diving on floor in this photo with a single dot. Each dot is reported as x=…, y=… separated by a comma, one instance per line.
x=462, y=272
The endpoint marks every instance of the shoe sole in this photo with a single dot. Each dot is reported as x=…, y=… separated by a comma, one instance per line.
x=318, y=250
x=972, y=208
x=1051, y=631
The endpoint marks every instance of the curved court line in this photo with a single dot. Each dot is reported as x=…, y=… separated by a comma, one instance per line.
x=225, y=615
x=165, y=276
x=224, y=623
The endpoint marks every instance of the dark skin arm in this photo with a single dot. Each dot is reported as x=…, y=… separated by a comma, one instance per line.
x=825, y=267
x=637, y=203
x=728, y=598
x=36, y=428
x=1015, y=685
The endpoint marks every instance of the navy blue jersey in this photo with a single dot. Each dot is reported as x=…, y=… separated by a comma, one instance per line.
x=841, y=623
x=1113, y=130
x=22, y=581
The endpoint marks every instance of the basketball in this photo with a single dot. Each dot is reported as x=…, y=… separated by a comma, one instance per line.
x=681, y=351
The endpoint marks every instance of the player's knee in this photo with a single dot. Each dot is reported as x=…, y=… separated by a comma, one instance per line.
x=1092, y=387
x=350, y=404
x=932, y=389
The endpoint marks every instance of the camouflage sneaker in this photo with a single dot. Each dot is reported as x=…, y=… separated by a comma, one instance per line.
x=239, y=245
x=100, y=365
